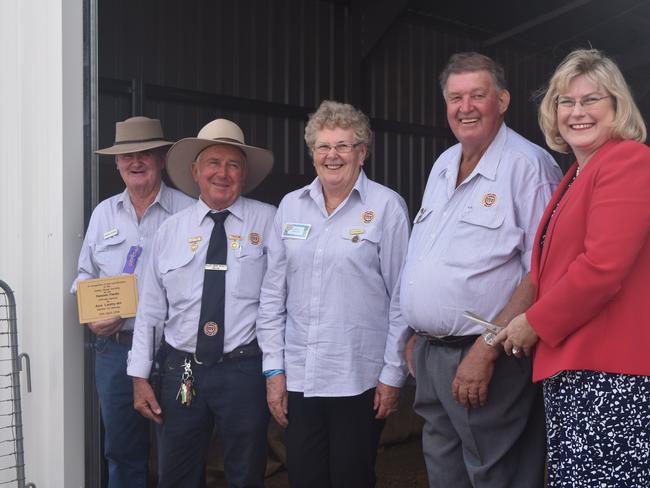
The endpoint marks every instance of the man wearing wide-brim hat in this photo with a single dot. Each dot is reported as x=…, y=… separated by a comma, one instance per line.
x=202, y=290
x=118, y=240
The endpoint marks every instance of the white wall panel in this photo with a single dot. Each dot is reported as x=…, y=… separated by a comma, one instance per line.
x=41, y=221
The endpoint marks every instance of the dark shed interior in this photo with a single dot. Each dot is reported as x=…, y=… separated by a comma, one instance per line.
x=267, y=64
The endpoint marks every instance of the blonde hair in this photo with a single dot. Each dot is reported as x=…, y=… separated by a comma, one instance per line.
x=602, y=71
x=333, y=114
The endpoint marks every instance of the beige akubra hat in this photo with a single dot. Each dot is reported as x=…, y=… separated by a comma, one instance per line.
x=136, y=134
x=220, y=131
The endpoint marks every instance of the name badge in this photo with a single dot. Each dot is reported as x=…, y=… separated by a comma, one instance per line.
x=132, y=259
x=296, y=231
x=111, y=233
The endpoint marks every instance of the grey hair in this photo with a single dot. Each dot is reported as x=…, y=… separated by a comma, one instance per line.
x=469, y=62
x=331, y=114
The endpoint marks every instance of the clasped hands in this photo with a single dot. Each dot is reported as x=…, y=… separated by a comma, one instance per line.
x=518, y=337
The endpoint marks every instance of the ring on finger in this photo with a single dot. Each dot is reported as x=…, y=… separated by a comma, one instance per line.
x=515, y=350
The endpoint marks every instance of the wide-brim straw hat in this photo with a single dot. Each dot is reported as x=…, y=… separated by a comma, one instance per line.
x=220, y=131
x=136, y=134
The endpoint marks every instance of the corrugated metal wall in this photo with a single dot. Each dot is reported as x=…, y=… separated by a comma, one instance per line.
x=267, y=63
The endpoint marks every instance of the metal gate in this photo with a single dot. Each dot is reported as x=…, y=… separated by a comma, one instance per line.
x=12, y=460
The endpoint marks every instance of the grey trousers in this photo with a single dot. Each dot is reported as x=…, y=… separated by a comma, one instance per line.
x=499, y=445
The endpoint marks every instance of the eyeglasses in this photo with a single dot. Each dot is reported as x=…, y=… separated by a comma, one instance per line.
x=340, y=148
x=586, y=103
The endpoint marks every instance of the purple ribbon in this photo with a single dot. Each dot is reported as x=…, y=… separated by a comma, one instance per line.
x=132, y=259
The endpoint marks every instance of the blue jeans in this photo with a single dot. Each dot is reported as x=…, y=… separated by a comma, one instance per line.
x=126, y=432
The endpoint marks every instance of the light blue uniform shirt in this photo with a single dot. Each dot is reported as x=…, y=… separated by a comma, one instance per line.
x=173, y=283
x=471, y=246
x=329, y=311
x=114, y=228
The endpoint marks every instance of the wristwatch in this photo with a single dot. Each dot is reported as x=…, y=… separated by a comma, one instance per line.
x=489, y=337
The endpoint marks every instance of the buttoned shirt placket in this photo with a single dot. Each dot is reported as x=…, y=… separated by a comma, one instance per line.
x=445, y=210
x=311, y=355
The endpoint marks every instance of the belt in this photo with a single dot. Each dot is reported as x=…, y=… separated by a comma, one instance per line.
x=122, y=337
x=249, y=350
x=456, y=342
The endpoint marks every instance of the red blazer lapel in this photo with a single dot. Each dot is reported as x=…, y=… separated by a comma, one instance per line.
x=539, y=254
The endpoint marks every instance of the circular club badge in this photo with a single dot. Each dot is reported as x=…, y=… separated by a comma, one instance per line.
x=210, y=329
x=489, y=199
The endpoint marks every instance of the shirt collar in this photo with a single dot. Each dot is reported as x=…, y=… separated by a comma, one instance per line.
x=163, y=198
x=124, y=199
x=315, y=189
x=489, y=162
x=202, y=210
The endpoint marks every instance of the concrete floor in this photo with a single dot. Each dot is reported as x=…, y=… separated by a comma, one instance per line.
x=399, y=462
x=398, y=466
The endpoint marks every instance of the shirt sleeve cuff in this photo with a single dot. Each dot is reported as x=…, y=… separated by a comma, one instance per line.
x=393, y=376
x=138, y=368
x=272, y=361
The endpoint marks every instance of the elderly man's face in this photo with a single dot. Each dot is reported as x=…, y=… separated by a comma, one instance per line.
x=220, y=172
x=141, y=171
x=474, y=107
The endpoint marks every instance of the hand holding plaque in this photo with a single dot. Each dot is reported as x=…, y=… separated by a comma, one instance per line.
x=104, y=298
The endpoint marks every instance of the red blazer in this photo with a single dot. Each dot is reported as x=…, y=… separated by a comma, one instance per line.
x=593, y=275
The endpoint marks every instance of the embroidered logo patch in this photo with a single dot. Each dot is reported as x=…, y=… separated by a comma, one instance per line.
x=210, y=329
x=489, y=199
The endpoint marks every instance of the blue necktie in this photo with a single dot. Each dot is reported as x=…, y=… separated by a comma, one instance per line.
x=209, y=342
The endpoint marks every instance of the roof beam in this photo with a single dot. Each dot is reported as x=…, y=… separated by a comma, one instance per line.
x=377, y=18
x=540, y=19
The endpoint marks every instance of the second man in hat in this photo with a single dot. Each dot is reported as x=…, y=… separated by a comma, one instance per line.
x=202, y=290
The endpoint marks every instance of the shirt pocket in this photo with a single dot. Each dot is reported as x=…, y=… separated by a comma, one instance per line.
x=358, y=254
x=252, y=266
x=110, y=256
x=179, y=277
x=480, y=240
x=359, y=236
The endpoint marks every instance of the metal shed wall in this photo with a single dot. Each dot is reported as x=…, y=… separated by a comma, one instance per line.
x=267, y=64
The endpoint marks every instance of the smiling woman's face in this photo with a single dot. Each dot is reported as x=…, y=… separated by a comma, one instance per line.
x=335, y=170
x=585, y=128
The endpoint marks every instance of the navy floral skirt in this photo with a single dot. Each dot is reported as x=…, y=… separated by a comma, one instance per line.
x=598, y=430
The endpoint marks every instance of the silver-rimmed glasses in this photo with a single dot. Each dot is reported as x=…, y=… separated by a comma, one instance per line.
x=567, y=104
x=340, y=148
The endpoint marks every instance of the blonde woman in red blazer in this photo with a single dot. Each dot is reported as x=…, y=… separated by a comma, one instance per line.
x=589, y=326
